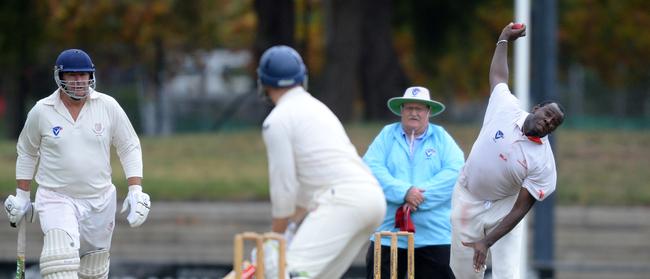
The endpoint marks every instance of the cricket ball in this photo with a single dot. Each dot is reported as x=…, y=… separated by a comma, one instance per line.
x=517, y=26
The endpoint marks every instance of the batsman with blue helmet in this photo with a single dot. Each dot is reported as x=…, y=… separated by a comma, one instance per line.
x=65, y=146
x=314, y=169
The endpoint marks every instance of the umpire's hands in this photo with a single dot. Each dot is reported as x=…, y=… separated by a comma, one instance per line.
x=480, y=254
x=414, y=197
x=511, y=34
x=139, y=203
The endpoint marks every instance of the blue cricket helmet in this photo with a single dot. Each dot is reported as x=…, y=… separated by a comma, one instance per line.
x=281, y=66
x=74, y=61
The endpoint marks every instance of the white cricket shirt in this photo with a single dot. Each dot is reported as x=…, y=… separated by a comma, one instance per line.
x=74, y=156
x=503, y=159
x=308, y=152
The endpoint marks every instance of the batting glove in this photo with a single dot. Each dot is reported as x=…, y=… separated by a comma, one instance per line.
x=19, y=207
x=271, y=259
x=139, y=203
x=291, y=230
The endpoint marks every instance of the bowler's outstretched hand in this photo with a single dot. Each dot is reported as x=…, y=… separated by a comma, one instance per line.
x=513, y=31
x=480, y=254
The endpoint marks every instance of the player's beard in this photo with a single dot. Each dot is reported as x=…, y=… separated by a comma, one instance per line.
x=532, y=128
x=77, y=90
x=77, y=96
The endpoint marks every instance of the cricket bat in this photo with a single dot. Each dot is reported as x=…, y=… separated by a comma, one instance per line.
x=21, y=243
x=20, y=250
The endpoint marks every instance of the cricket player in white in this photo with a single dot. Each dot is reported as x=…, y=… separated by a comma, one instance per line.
x=69, y=135
x=313, y=166
x=510, y=167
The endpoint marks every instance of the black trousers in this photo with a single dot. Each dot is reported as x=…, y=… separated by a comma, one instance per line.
x=431, y=262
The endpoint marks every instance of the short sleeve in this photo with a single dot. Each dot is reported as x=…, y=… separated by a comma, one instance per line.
x=500, y=99
x=541, y=180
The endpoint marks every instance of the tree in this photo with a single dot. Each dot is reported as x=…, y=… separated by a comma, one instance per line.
x=382, y=75
x=616, y=47
x=146, y=36
x=275, y=25
x=451, y=43
x=361, y=63
x=19, y=41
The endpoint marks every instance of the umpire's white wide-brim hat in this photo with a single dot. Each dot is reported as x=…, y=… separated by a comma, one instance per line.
x=415, y=94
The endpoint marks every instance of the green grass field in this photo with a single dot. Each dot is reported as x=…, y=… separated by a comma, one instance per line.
x=609, y=167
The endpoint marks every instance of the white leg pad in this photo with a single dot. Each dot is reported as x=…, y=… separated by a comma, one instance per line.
x=94, y=265
x=60, y=256
x=62, y=275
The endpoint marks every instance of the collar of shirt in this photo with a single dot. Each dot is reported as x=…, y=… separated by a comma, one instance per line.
x=520, y=125
x=420, y=137
x=291, y=93
x=416, y=142
x=54, y=98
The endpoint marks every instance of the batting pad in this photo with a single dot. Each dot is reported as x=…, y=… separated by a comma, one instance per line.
x=60, y=256
x=94, y=265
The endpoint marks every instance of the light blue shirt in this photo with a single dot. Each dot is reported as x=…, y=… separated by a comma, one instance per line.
x=434, y=167
x=416, y=141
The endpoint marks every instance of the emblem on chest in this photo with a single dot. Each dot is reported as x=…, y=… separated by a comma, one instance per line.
x=98, y=129
x=429, y=152
x=498, y=135
x=57, y=130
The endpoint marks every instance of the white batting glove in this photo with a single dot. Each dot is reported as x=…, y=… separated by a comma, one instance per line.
x=19, y=206
x=271, y=259
x=291, y=230
x=139, y=203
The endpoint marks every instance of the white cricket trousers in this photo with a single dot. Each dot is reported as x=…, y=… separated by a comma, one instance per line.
x=471, y=220
x=332, y=235
x=90, y=222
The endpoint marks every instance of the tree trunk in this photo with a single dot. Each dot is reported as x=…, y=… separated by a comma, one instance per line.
x=19, y=50
x=576, y=90
x=340, y=82
x=275, y=25
x=362, y=66
x=382, y=77
x=155, y=118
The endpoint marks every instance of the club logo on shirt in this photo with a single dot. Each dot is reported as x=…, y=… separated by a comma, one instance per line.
x=429, y=152
x=98, y=129
x=415, y=92
x=56, y=130
x=498, y=135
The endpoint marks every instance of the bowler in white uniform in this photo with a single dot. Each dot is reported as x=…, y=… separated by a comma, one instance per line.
x=314, y=167
x=68, y=135
x=510, y=167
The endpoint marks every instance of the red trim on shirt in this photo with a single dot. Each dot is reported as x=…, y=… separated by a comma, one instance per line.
x=535, y=139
